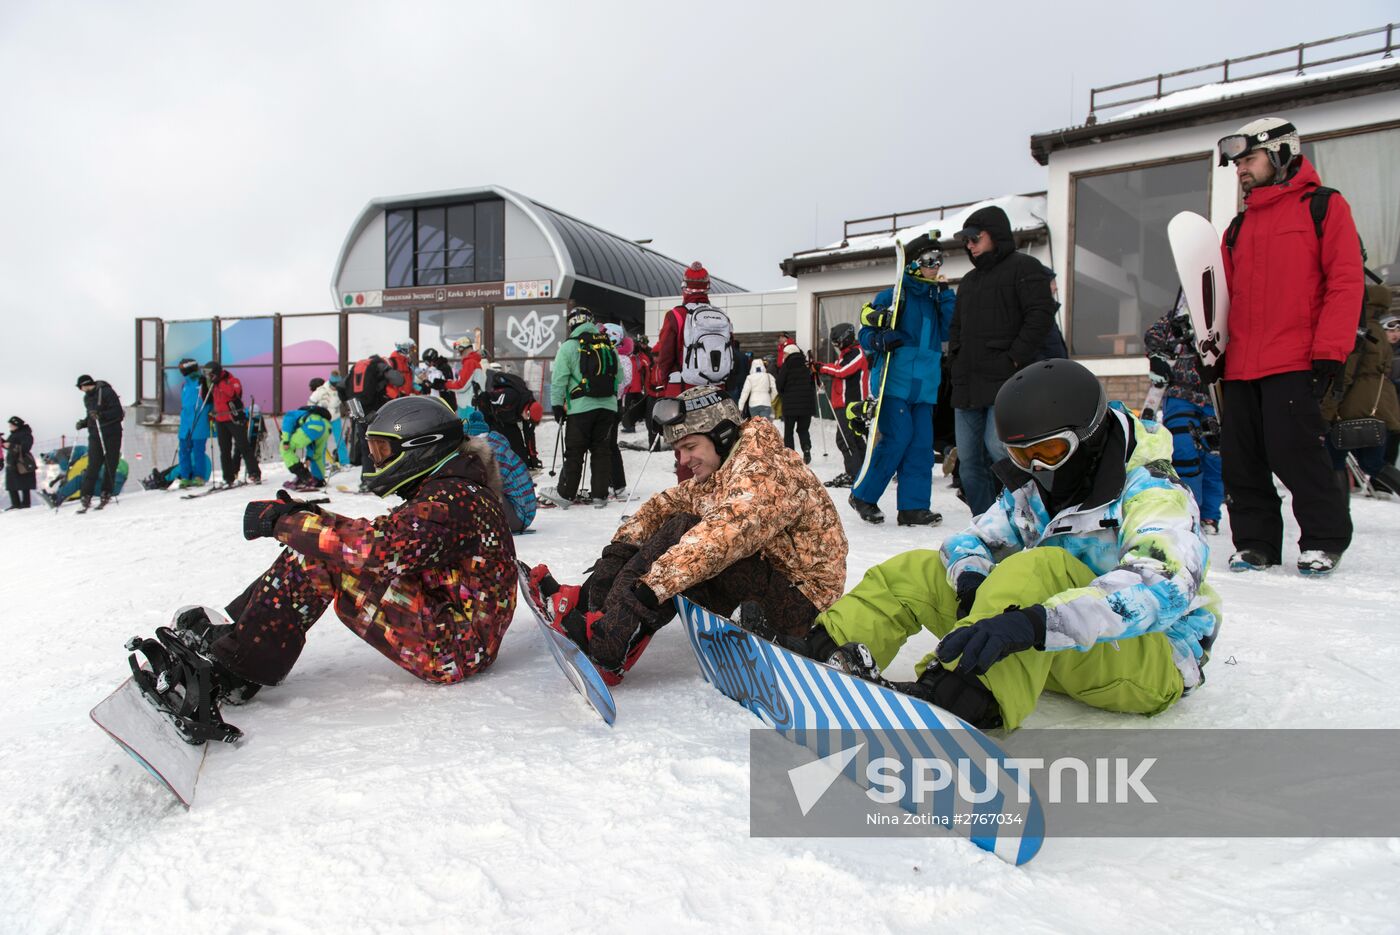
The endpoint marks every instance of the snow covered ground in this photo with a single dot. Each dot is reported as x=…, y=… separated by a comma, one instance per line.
x=363, y=800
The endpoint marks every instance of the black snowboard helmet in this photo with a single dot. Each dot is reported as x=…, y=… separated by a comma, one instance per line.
x=842, y=334
x=1049, y=416
x=409, y=439
x=189, y=366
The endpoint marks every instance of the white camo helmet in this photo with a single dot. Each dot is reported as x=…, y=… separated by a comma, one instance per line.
x=1278, y=137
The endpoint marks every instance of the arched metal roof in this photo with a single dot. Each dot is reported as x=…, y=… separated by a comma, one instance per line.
x=584, y=251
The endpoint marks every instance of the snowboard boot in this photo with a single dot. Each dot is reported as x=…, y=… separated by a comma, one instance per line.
x=806, y=456
x=199, y=628
x=1386, y=480
x=1314, y=562
x=855, y=659
x=1211, y=527
x=918, y=518
x=840, y=480
x=866, y=511
x=179, y=683
x=963, y=695
x=1250, y=560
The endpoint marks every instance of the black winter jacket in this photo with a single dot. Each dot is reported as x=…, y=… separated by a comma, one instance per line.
x=19, y=461
x=102, y=402
x=1004, y=312
x=797, y=386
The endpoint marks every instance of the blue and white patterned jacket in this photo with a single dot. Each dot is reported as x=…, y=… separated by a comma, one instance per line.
x=1139, y=531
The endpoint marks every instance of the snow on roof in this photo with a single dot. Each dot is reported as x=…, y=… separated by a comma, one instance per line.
x=1027, y=213
x=1222, y=90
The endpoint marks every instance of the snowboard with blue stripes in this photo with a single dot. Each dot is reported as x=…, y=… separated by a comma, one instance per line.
x=827, y=711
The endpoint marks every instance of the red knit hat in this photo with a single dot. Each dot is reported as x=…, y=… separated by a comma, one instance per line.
x=696, y=282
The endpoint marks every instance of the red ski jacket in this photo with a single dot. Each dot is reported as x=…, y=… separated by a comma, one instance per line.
x=670, y=352
x=471, y=363
x=401, y=364
x=1294, y=297
x=850, y=378
x=226, y=390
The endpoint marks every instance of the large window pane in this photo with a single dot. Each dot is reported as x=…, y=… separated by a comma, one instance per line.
x=192, y=339
x=1124, y=278
x=490, y=241
x=1366, y=169
x=398, y=249
x=831, y=310
x=432, y=241
x=245, y=349
x=461, y=237
x=375, y=333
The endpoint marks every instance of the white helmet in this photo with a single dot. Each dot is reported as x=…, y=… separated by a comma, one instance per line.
x=406, y=346
x=463, y=344
x=1273, y=134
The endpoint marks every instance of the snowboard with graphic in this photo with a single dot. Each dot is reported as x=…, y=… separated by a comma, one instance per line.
x=810, y=704
x=1196, y=251
x=582, y=673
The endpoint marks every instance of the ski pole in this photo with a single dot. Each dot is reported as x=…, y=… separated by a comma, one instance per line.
x=631, y=490
x=555, y=457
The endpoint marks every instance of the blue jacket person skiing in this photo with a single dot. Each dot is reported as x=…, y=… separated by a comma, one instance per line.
x=909, y=341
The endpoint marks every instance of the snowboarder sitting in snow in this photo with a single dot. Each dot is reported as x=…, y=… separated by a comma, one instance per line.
x=752, y=524
x=431, y=585
x=1086, y=576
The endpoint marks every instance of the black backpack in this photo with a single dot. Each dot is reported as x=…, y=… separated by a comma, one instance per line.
x=597, y=365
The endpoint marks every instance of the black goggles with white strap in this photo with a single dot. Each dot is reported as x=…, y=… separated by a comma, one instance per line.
x=1236, y=145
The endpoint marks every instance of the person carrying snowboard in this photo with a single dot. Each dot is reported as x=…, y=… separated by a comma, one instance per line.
x=1296, y=283
x=753, y=524
x=907, y=341
x=431, y=584
x=1086, y=577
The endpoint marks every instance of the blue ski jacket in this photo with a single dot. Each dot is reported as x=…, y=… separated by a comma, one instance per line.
x=922, y=324
x=195, y=409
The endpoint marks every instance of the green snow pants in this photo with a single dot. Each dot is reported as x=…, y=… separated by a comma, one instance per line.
x=897, y=597
x=315, y=449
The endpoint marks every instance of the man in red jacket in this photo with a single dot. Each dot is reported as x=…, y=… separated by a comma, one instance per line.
x=231, y=424
x=670, y=343
x=1295, y=301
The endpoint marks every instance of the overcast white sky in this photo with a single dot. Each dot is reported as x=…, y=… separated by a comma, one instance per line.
x=185, y=159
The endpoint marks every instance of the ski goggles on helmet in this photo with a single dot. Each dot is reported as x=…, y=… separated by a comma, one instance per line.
x=1048, y=453
x=382, y=449
x=672, y=411
x=1236, y=145
x=931, y=259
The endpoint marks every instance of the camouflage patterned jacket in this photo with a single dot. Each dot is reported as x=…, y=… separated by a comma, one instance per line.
x=434, y=579
x=762, y=500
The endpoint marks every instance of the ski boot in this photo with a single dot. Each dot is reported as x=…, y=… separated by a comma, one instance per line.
x=179, y=683
x=551, y=497
x=86, y=504
x=840, y=480
x=918, y=518
x=1314, y=562
x=1251, y=560
x=199, y=628
x=866, y=511
x=1210, y=527
x=106, y=499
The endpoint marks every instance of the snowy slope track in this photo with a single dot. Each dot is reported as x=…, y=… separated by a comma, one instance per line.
x=363, y=800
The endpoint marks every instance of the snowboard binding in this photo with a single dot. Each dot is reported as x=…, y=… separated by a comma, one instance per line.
x=179, y=683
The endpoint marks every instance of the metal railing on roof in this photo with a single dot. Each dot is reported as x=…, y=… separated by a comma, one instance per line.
x=893, y=223
x=1297, y=64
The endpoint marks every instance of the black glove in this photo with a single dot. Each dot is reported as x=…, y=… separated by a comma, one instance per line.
x=559, y=414
x=605, y=570
x=987, y=642
x=873, y=317
x=1161, y=371
x=641, y=602
x=886, y=341
x=260, y=516
x=968, y=583
x=1324, y=375
x=393, y=377
x=81, y=424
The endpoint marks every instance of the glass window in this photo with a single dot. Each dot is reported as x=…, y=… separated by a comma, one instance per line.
x=1121, y=266
x=430, y=254
x=1365, y=168
x=461, y=240
x=490, y=241
x=309, y=345
x=832, y=310
x=192, y=339
x=536, y=375
x=529, y=330
x=398, y=248
x=375, y=333
x=245, y=349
